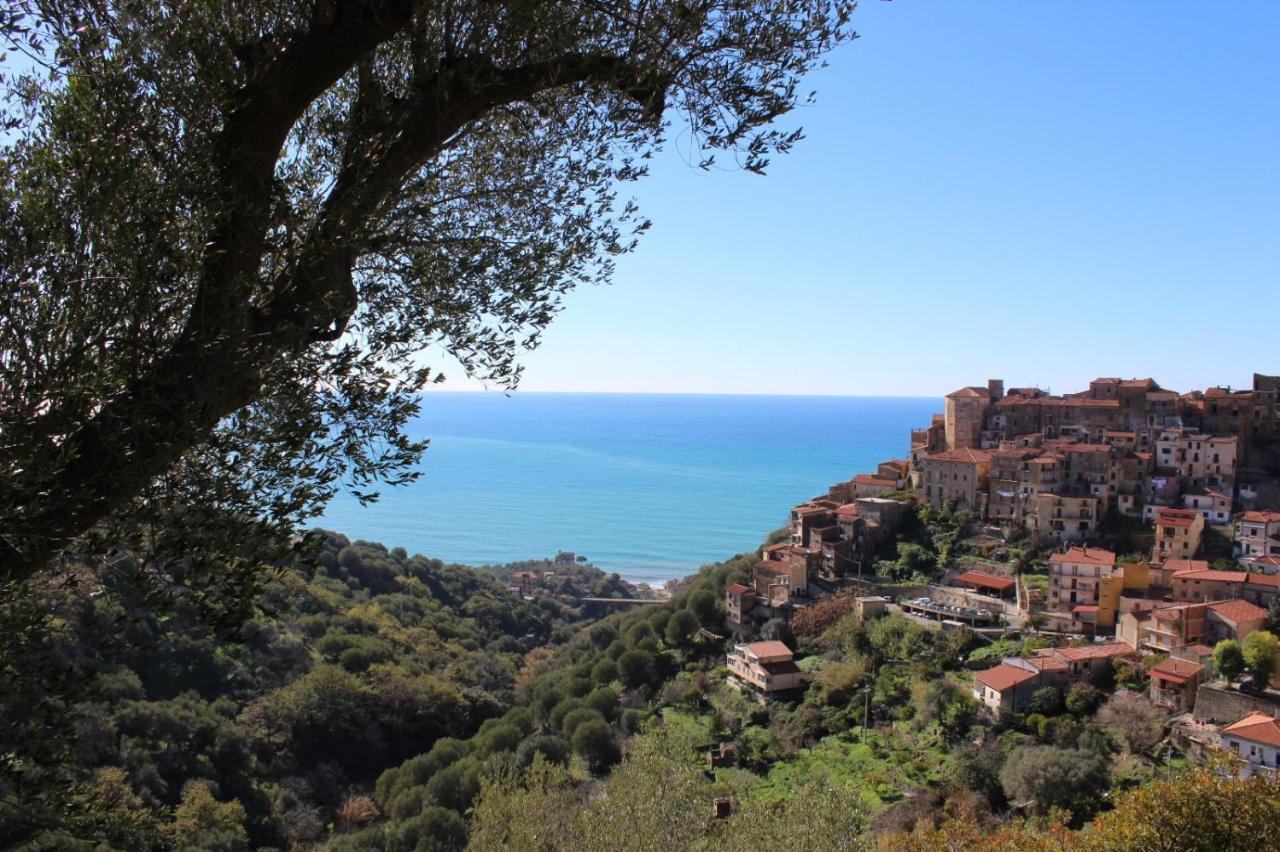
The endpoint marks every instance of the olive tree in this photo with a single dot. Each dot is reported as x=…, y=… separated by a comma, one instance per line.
x=229, y=230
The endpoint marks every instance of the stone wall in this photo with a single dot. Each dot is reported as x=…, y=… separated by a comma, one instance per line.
x=1225, y=706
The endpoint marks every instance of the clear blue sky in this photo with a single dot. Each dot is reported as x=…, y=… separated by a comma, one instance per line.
x=1042, y=191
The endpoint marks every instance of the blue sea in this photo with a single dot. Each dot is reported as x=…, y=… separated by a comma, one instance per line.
x=651, y=486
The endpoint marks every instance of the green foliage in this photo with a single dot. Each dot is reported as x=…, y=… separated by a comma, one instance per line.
x=705, y=605
x=593, y=740
x=680, y=627
x=1082, y=700
x=202, y=822
x=636, y=668
x=1228, y=659
x=1046, y=701
x=1044, y=777
x=1260, y=651
x=258, y=720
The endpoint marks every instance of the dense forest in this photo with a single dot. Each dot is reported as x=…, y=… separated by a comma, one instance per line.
x=135, y=731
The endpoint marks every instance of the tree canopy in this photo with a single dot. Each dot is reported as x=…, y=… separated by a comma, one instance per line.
x=229, y=230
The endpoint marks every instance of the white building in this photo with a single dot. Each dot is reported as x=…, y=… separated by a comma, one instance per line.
x=1256, y=739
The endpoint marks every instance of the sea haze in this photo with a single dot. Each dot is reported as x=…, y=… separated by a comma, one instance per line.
x=648, y=485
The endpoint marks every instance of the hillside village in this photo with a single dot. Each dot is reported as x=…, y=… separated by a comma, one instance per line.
x=1133, y=529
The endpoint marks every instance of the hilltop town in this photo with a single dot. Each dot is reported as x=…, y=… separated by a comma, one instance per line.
x=1134, y=529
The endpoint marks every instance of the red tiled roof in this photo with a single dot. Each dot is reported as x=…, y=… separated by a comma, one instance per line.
x=1095, y=652
x=969, y=393
x=1177, y=566
x=1176, y=517
x=1085, y=556
x=849, y=510
x=769, y=648
x=1212, y=576
x=990, y=581
x=1085, y=608
x=1265, y=560
x=1046, y=663
x=1261, y=517
x=1003, y=676
x=1238, y=611
x=1261, y=578
x=1257, y=727
x=872, y=479
x=738, y=589
x=1175, y=670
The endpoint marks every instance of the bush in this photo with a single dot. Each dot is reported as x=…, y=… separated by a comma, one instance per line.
x=603, y=700
x=605, y=671
x=1228, y=659
x=680, y=627
x=553, y=748
x=1046, y=777
x=576, y=718
x=636, y=668
x=1046, y=701
x=593, y=740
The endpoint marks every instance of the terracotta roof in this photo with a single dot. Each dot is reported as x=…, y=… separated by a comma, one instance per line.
x=1045, y=664
x=1175, y=670
x=1200, y=650
x=1238, y=611
x=849, y=510
x=1265, y=560
x=1003, y=676
x=1261, y=517
x=1085, y=608
x=1095, y=652
x=1177, y=566
x=872, y=479
x=1257, y=727
x=738, y=589
x=1085, y=556
x=962, y=454
x=990, y=581
x=969, y=393
x=1176, y=517
x=1211, y=576
x=770, y=648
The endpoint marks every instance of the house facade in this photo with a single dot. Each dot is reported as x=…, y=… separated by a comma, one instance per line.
x=1255, y=739
x=763, y=669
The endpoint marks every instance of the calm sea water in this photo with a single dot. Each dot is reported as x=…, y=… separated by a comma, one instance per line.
x=650, y=486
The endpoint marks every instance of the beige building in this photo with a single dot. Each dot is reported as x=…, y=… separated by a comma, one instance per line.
x=1178, y=534
x=1060, y=518
x=867, y=485
x=1005, y=688
x=1193, y=580
x=957, y=475
x=966, y=412
x=763, y=669
x=1075, y=578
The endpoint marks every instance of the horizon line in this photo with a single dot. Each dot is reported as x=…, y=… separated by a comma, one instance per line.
x=679, y=393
